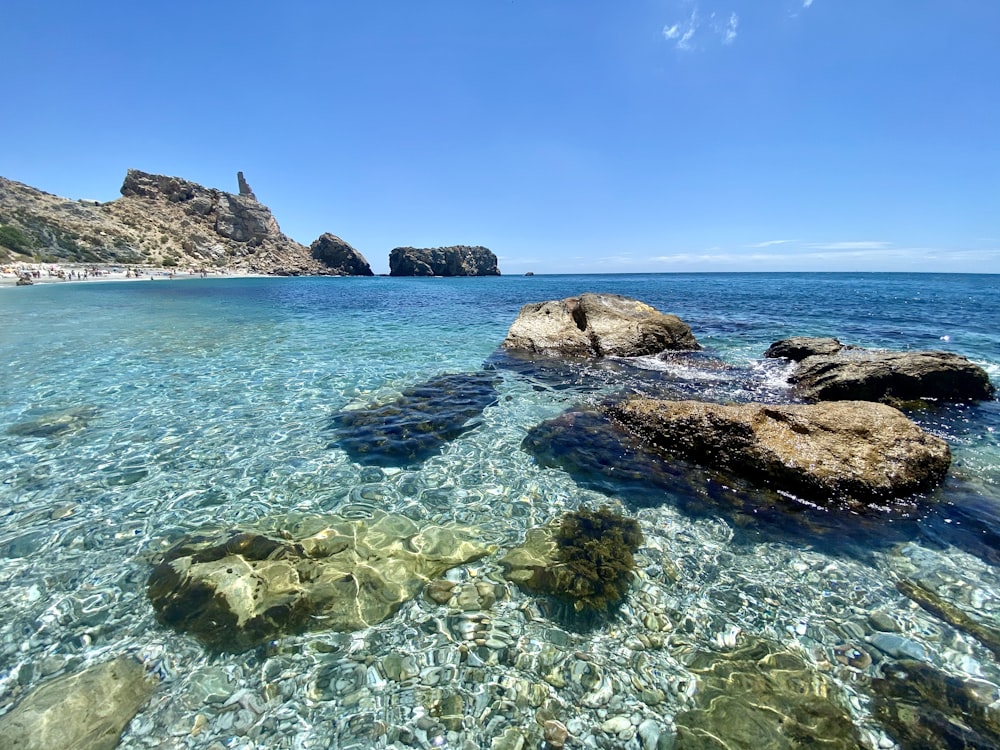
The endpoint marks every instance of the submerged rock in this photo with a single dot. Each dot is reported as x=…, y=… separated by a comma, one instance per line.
x=83, y=711
x=235, y=589
x=761, y=695
x=836, y=373
x=457, y=260
x=847, y=451
x=55, y=423
x=586, y=560
x=339, y=257
x=597, y=325
x=922, y=707
x=416, y=425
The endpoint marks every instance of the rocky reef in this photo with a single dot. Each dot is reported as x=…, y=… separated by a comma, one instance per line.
x=159, y=221
x=417, y=424
x=829, y=371
x=235, y=589
x=457, y=260
x=844, y=452
x=597, y=325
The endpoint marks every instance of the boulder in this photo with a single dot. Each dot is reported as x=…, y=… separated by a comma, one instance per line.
x=339, y=256
x=84, y=711
x=597, y=325
x=890, y=377
x=235, y=589
x=798, y=348
x=841, y=452
x=457, y=260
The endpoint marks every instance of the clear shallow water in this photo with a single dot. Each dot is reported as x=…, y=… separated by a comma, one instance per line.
x=209, y=402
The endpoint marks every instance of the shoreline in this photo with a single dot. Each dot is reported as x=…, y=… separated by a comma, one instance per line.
x=80, y=273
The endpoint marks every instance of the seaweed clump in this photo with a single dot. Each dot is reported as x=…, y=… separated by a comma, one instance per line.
x=595, y=552
x=586, y=561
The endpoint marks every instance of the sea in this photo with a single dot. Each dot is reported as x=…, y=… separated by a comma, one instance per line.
x=134, y=414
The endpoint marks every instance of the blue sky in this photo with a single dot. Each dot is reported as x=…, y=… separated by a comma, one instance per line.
x=567, y=136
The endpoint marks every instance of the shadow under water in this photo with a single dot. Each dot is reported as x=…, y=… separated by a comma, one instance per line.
x=415, y=426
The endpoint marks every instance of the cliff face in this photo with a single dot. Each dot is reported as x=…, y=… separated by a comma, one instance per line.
x=459, y=260
x=159, y=220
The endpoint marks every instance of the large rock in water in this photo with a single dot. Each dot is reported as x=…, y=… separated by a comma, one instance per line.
x=842, y=452
x=828, y=371
x=457, y=260
x=339, y=256
x=235, y=589
x=83, y=711
x=597, y=325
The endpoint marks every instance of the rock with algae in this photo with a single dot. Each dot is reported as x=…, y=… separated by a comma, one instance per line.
x=235, y=589
x=84, y=711
x=922, y=707
x=586, y=560
x=761, y=695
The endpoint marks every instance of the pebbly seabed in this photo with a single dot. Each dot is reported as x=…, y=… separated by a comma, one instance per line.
x=136, y=414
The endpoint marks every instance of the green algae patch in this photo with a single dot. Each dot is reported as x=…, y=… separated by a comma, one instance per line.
x=235, y=589
x=586, y=560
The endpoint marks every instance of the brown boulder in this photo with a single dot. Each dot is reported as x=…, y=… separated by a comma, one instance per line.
x=845, y=451
x=891, y=377
x=597, y=325
x=797, y=348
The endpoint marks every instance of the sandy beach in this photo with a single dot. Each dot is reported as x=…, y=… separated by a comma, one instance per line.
x=73, y=273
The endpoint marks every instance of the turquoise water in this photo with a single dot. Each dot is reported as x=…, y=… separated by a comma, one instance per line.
x=209, y=402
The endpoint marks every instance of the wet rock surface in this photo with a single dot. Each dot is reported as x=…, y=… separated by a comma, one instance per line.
x=852, y=373
x=83, y=711
x=798, y=348
x=845, y=452
x=762, y=695
x=597, y=325
x=419, y=423
x=234, y=589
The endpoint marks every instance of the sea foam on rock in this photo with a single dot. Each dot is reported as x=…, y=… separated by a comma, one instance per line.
x=236, y=589
x=597, y=325
x=841, y=452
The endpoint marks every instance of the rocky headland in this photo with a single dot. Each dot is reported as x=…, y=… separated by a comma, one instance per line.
x=457, y=260
x=167, y=222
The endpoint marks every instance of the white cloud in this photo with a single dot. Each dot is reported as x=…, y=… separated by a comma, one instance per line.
x=770, y=243
x=853, y=245
x=683, y=32
x=729, y=34
x=806, y=3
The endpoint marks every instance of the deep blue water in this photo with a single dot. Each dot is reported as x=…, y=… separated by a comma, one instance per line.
x=213, y=402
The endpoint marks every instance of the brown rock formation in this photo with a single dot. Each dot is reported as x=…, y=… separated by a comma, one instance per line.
x=843, y=451
x=597, y=325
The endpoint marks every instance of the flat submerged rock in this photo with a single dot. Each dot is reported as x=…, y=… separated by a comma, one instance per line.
x=235, y=589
